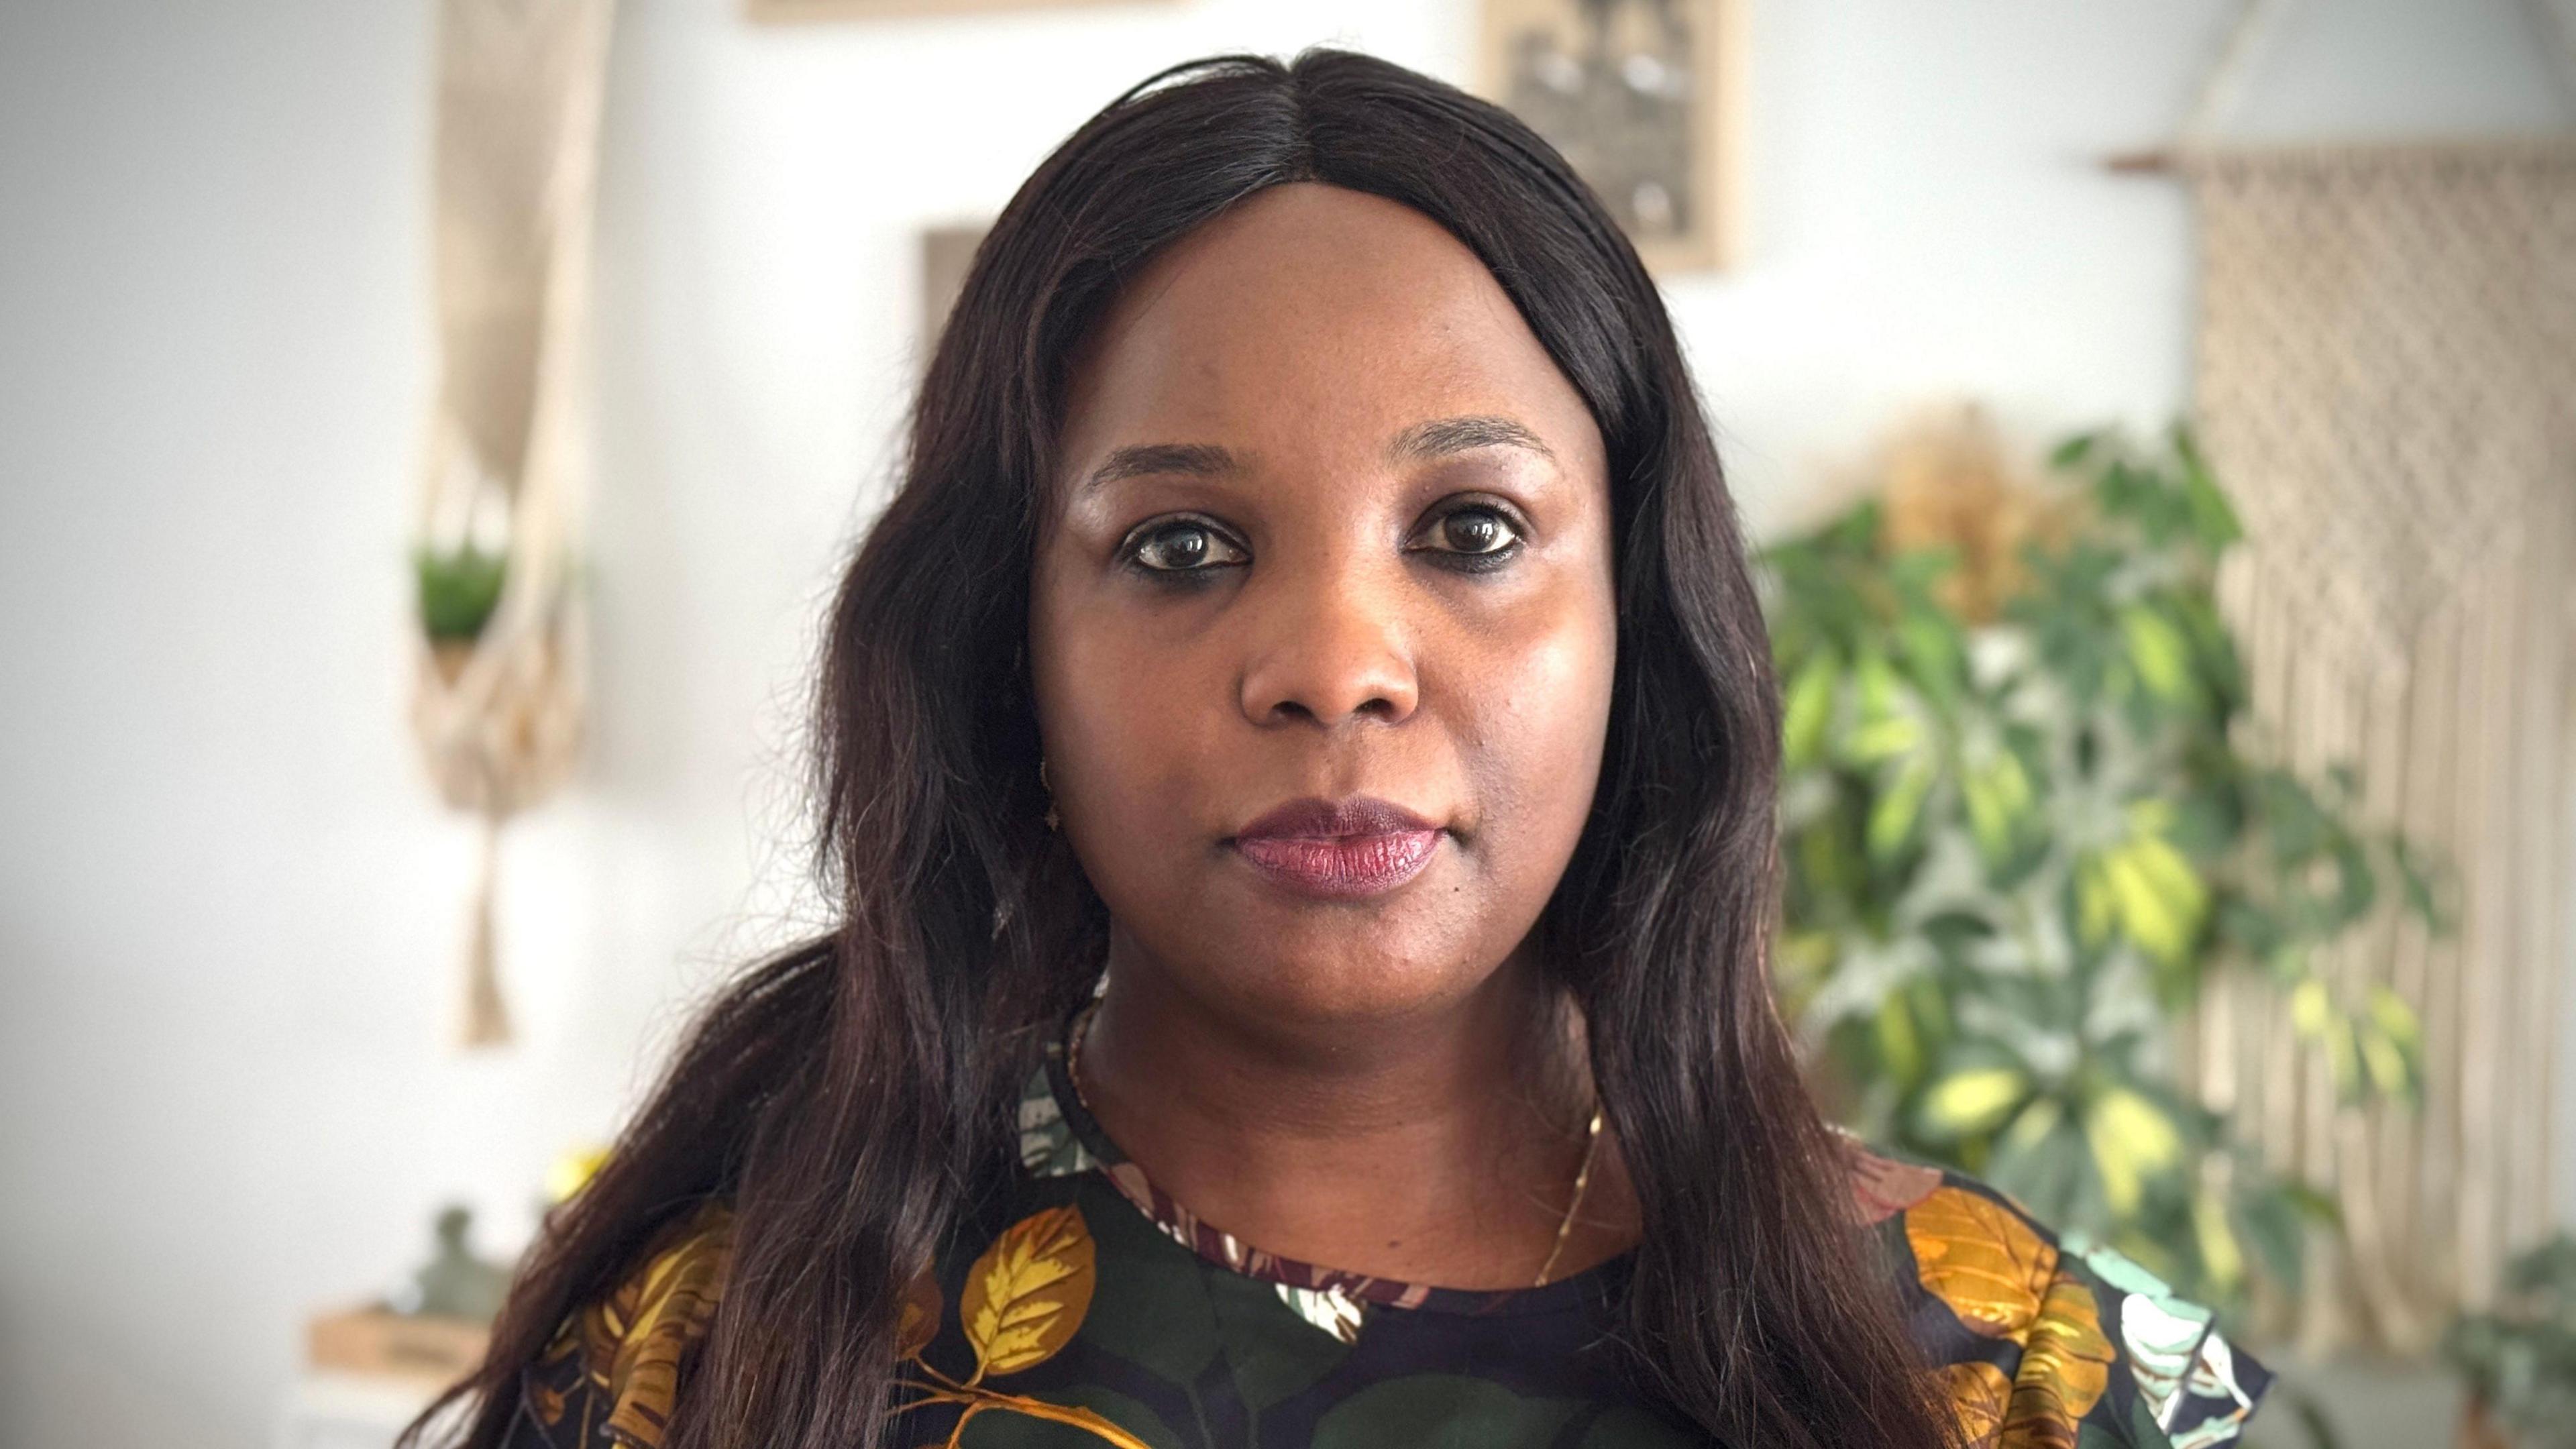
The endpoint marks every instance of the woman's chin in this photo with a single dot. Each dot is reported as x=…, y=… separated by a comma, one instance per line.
x=1345, y=983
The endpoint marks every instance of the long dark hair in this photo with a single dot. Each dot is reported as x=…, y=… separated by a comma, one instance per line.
x=849, y=1097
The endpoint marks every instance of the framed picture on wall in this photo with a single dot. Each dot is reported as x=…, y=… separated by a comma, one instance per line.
x=791, y=10
x=1645, y=97
x=946, y=253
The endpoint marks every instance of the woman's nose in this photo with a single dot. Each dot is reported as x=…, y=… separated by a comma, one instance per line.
x=1328, y=648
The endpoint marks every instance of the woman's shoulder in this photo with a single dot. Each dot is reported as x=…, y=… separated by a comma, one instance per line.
x=2043, y=1338
x=612, y=1371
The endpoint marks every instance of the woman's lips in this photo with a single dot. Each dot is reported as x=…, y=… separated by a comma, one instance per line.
x=1341, y=867
x=1339, y=849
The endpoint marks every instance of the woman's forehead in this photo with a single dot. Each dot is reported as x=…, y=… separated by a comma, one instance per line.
x=1312, y=320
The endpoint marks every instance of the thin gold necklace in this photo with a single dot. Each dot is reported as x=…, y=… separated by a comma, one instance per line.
x=1564, y=1225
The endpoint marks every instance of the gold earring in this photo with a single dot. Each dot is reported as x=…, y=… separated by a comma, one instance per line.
x=1052, y=822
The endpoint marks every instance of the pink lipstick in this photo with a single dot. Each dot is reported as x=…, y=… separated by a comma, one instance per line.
x=1339, y=849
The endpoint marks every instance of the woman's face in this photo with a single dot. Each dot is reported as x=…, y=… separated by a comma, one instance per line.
x=1329, y=525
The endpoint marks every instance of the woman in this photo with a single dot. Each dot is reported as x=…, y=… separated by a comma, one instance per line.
x=1297, y=754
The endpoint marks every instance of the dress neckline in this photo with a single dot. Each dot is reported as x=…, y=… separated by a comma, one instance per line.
x=1059, y=1136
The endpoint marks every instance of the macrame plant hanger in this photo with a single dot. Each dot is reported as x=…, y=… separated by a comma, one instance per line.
x=2385, y=380
x=499, y=695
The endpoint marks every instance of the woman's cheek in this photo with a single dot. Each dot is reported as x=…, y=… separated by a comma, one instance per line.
x=1554, y=672
x=1544, y=726
x=1147, y=724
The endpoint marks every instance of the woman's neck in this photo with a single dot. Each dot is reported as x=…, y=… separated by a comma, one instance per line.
x=1441, y=1148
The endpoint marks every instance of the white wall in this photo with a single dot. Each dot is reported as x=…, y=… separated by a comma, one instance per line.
x=227, y=904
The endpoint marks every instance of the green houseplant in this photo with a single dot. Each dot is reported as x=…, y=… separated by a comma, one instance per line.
x=2022, y=831
x=2520, y=1361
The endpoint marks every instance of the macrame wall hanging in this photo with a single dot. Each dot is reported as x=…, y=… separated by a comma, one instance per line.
x=2386, y=382
x=499, y=701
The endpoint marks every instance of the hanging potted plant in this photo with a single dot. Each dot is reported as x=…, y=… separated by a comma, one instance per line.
x=458, y=590
x=499, y=697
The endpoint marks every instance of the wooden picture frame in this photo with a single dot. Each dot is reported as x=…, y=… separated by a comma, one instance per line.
x=947, y=251
x=800, y=11
x=1646, y=99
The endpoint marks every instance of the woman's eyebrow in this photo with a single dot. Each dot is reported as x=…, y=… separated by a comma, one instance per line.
x=1199, y=460
x=1443, y=436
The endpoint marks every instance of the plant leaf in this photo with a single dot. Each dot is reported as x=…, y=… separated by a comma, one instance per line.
x=2158, y=651
x=1891, y=820
x=1977, y=1100
x=1884, y=738
x=2132, y=1138
x=2311, y=1010
x=2213, y=518
x=2145, y=914
x=2220, y=1253
x=2074, y=450
x=1809, y=710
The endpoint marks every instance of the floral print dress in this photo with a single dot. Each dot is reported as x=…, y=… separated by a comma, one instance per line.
x=1094, y=1310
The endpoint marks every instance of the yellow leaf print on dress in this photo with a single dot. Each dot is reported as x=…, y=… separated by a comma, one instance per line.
x=632, y=1340
x=1979, y=1393
x=1023, y=1301
x=1027, y=1294
x=917, y=1321
x=1980, y=1258
x=2000, y=1277
x=2064, y=1367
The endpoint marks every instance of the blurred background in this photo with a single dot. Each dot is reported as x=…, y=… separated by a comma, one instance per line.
x=2178, y=820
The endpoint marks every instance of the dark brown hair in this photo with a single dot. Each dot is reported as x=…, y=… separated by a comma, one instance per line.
x=849, y=1098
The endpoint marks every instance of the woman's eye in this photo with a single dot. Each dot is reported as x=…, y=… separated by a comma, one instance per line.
x=1476, y=531
x=1182, y=547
